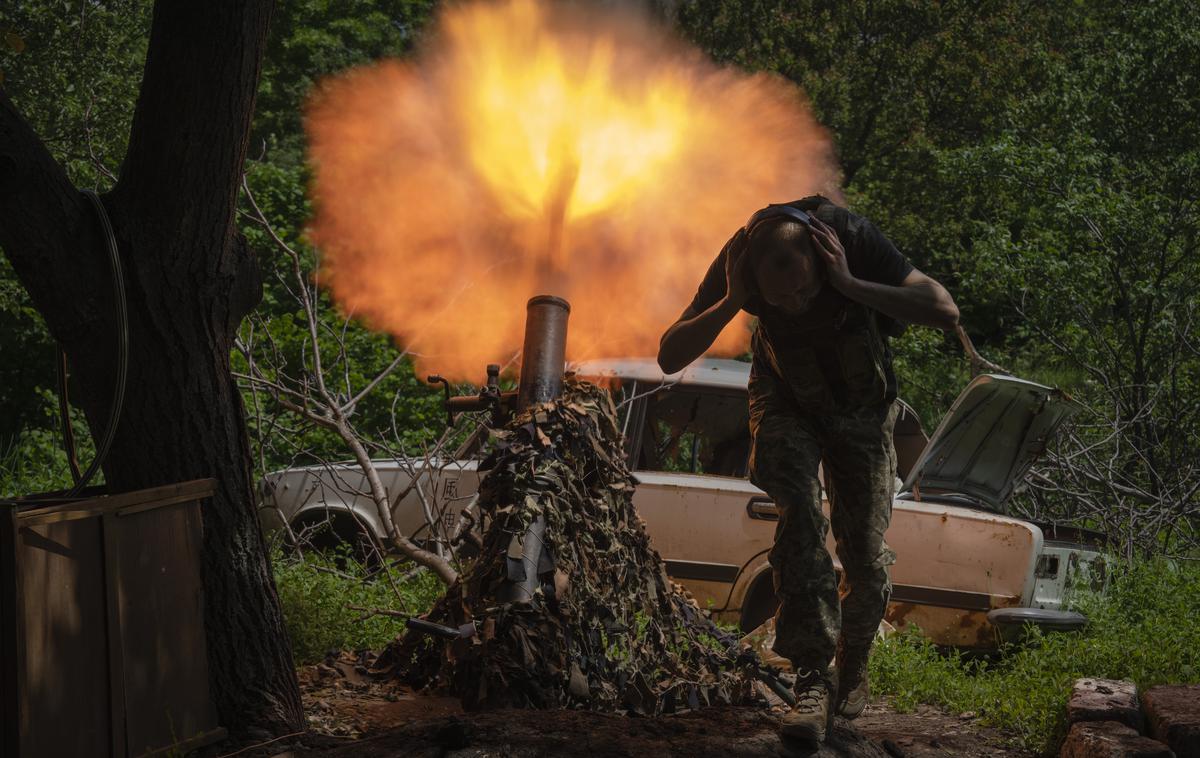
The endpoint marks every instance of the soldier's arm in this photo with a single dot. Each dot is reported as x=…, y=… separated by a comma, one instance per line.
x=698, y=326
x=688, y=338
x=917, y=299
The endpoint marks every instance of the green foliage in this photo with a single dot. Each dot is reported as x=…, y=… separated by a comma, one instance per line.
x=973, y=131
x=75, y=76
x=311, y=39
x=315, y=593
x=34, y=461
x=930, y=373
x=73, y=69
x=402, y=408
x=1142, y=629
x=24, y=334
x=1041, y=160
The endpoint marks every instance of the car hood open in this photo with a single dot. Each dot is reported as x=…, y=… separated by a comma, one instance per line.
x=988, y=440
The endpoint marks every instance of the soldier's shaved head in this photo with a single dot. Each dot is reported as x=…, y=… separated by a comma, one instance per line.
x=784, y=264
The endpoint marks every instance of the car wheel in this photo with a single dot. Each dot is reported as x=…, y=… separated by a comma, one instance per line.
x=760, y=603
x=328, y=533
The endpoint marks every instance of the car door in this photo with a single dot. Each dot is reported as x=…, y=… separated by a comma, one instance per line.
x=689, y=449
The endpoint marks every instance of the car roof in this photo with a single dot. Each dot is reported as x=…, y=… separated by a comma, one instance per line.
x=706, y=372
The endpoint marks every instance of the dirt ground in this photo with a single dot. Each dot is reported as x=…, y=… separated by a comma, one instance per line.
x=352, y=715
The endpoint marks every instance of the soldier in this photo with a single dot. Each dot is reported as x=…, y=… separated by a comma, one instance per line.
x=828, y=289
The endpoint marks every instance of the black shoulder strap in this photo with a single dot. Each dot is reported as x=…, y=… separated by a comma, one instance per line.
x=810, y=203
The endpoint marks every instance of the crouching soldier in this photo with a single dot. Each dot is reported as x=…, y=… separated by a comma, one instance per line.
x=827, y=289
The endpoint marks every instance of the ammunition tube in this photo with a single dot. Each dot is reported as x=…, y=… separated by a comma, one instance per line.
x=543, y=357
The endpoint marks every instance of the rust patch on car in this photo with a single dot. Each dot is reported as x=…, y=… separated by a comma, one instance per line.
x=951, y=626
x=973, y=631
x=986, y=637
x=897, y=612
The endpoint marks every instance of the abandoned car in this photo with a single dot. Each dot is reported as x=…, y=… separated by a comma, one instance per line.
x=960, y=557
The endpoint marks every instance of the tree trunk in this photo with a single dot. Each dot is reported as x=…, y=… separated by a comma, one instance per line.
x=189, y=279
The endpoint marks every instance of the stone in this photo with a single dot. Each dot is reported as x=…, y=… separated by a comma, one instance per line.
x=1104, y=700
x=1110, y=739
x=1173, y=716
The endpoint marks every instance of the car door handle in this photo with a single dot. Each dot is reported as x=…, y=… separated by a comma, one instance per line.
x=762, y=509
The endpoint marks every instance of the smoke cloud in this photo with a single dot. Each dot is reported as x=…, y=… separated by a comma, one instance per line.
x=534, y=148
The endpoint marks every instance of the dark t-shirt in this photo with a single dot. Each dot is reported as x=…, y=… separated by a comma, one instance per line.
x=869, y=254
x=784, y=344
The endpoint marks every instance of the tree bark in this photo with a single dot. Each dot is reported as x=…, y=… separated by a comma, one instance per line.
x=190, y=279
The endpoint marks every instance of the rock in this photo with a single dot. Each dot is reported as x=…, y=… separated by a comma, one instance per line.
x=1104, y=700
x=843, y=742
x=577, y=685
x=455, y=734
x=1110, y=739
x=1173, y=716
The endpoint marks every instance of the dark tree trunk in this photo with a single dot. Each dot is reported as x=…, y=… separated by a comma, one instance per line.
x=190, y=279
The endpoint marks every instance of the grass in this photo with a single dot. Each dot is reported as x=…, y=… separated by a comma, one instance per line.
x=315, y=593
x=1145, y=629
x=34, y=461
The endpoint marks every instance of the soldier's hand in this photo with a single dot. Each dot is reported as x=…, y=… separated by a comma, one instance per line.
x=829, y=247
x=736, y=268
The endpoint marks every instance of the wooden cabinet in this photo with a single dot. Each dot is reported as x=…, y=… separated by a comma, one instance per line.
x=102, y=645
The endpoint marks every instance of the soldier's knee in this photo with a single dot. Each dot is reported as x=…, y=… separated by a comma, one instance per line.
x=803, y=576
x=783, y=462
x=865, y=560
x=779, y=475
x=792, y=491
x=869, y=574
x=807, y=557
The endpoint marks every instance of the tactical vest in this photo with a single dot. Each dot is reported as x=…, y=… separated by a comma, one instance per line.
x=832, y=357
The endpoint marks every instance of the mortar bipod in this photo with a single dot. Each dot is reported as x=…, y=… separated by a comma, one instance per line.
x=490, y=398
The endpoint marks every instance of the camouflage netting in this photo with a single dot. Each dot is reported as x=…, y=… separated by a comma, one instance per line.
x=607, y=630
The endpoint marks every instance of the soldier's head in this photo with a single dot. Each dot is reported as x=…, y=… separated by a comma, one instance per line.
x=784, y=264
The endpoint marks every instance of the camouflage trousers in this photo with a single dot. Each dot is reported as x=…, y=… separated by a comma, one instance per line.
x=860, y=465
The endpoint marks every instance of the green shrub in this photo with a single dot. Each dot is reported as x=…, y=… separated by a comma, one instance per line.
x=315, y=593
x=34, y=461
x=1144, y=629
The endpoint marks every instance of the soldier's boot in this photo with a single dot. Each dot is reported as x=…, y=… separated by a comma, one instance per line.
x=853, y=688
x=810, y=718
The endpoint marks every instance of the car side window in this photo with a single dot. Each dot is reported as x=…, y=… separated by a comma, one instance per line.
x=695, y=431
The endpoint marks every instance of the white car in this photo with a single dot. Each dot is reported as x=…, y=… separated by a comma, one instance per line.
x=959, y=556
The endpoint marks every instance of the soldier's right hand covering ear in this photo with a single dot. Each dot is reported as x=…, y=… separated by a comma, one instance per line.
x=738, y=277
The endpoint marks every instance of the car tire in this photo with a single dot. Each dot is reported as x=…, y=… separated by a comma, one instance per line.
x=760, y=603
x=328, y=532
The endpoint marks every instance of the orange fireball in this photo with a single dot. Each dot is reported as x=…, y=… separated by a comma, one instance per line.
x=534, y=148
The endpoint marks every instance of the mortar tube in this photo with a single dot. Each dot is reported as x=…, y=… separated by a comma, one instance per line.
x=543, y=356
x=543, y=359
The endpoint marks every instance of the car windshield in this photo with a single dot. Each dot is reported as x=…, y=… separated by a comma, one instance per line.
x=695, y=431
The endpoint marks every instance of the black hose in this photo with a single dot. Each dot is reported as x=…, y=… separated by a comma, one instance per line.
x=733, y=584
x=64, y=416
x=118, y=396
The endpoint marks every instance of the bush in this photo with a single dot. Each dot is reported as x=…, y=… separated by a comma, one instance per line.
x=33, y=460
x=316, y=590
x=1142, y=629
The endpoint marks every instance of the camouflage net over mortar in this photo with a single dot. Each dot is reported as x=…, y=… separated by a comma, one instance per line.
x=607, y=630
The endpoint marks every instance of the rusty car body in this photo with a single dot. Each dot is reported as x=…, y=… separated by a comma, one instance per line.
x=959, y=554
